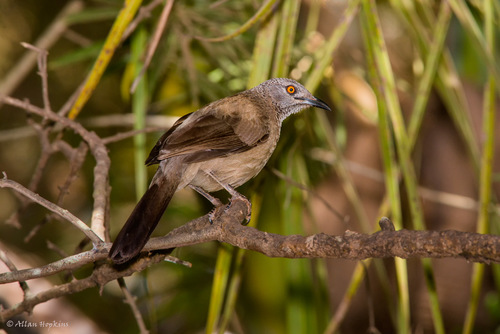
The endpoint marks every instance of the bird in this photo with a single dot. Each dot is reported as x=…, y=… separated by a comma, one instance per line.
x=219, y=146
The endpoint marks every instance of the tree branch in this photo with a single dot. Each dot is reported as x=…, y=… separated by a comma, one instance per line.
x=351, y=245
x=386, y=243
x=99, y=277
x=227, y=228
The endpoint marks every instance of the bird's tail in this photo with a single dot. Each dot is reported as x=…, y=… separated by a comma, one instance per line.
x=146, y=215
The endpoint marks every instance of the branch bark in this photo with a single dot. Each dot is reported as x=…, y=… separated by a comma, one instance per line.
x=99, y=277
x=351, y=245
x=227, y=228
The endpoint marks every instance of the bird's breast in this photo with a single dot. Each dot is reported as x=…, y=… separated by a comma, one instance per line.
x=235, y=169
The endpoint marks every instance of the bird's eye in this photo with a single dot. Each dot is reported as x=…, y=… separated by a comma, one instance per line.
x=290, y=89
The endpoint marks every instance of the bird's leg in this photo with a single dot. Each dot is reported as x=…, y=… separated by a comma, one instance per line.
x=215, y=202
x=234, y=194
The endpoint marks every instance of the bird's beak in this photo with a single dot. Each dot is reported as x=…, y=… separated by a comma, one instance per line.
x=315, y=102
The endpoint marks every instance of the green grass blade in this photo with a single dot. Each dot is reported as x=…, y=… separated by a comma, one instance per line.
x=263, y=51
x=430, y=70
x=447, y=82
x=232, y=290
x=313, y=17
x=237, y=275
x=219, y=285
x=93, y=15
x=112, y=41
x=300, y=313
x=356, y=280
x=286, y=36
x=259, y=15
x=423, y=91
x=140, y=102
x=387, y=93
x=374, y=45
x=87, y=53
x=333, y=42
x=469, y=23
x=485, y=184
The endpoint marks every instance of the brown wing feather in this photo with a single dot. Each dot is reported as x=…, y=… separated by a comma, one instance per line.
x=211, y=132
x=155, y=151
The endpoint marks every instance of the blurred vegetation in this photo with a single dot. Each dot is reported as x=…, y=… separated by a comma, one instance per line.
x=413, y=86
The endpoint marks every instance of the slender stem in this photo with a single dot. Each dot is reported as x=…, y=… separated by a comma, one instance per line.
x=486, y=173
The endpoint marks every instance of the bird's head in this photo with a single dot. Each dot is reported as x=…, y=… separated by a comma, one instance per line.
x=289, y=96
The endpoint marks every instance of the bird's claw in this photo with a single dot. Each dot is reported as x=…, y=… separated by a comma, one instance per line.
x=247, y=203
x=219, y=210
x=216, y=213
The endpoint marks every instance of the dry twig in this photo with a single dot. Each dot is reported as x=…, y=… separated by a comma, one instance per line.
x=6, y=183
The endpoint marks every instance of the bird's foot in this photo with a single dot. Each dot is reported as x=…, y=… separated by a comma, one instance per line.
x=216, y=213
x=219, y=210
x=245, y=200
x=234, y=195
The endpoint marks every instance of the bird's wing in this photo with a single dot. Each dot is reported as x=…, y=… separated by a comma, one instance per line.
x=155, y=151
x=210, y=133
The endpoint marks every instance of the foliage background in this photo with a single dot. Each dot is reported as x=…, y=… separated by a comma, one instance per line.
x=413, y=140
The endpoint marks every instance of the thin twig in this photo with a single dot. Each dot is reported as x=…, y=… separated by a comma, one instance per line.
x=76, y=161
x=42, y=72
x=77, y=38
x=189, y=63
x=100, y=153
x=45, y=153
x=6, y=183
x=12, y=135
x=128, y=120
x=70, y=101
x=144, y=13
x=35, y=230
x=128, y=134
x=12, y=267
x=343, y=219
x=436, y=196
x=52, y=246
x=130, y=300
x=71, y=262
x=260, y=15
x=76, y=157
x=100, y=276
x=162, y=22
